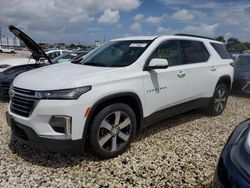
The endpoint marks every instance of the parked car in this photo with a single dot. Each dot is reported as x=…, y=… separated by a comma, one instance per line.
x=52, y=54
x=242, y=74
x=8, y=63
x=7, y=76
x=233, y=169
x=12, y=62
x=119, y=88
x=7, y=49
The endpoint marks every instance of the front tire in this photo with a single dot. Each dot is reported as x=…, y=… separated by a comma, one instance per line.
x=219, y=100
x=112, y=130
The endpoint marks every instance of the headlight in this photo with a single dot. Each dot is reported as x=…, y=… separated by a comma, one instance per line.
x=74, y=93
x=4, y=66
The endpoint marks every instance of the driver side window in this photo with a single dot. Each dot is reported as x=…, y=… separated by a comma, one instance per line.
x=169, y=50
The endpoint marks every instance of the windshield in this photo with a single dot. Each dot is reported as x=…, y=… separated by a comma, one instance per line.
x=64, y=58
x=243, y=61
x=116, y=53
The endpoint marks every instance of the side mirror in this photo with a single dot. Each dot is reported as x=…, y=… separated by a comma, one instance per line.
x=157, y=63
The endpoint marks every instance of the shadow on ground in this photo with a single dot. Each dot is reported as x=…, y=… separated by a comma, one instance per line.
x=56, y=160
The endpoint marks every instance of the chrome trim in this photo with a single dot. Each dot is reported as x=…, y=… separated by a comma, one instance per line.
x=68, y=126
x=23, y=102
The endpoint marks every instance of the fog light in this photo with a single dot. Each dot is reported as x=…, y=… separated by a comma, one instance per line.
x=61, y=124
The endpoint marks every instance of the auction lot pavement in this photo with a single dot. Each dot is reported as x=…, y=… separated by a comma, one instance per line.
x=177, y=152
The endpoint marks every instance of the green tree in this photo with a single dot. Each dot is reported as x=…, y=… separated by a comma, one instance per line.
x=221, y=39
x=72, y=46
x=234, y=43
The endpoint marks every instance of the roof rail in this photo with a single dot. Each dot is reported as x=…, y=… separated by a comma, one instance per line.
x=188, y=35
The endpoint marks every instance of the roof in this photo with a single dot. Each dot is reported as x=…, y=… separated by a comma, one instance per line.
x=136, y=38
x=177, y=36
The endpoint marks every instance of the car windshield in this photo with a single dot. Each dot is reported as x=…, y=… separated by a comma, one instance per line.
x=64, y=58
x=243, y=61
x=116, y=53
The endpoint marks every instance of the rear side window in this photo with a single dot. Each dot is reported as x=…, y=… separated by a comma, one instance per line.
x=193, y=52
x=221, y=50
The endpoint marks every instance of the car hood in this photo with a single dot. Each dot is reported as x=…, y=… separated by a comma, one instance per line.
x=11, y=73
x=15, y=62
x=64, y=76
x=36, y=50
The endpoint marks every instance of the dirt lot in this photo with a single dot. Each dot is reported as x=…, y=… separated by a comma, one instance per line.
x=18, y=54
x=178, y=152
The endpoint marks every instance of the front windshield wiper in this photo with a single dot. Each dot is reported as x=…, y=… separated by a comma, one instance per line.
x=94, y=64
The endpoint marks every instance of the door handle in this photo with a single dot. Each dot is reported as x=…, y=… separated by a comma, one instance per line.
x=181, y=74
x=213, y=68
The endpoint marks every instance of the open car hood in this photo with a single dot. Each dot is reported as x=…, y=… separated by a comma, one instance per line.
x=36, y=50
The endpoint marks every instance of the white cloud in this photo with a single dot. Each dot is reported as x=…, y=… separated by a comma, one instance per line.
x=183, y=15
x=206, y=5
x=109, y=17
x=164, y=31
x=155, y=19
x=202, y=29
x=135, y=27
x=139, y=18
x=58, y=19
x=176, y=2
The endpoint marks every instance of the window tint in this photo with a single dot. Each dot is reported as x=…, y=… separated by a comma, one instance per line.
x=221, y=50
x=170, y=51
x=193, y=52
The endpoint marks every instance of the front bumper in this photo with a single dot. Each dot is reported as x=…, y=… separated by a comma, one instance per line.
x=227, y=174
x=44, y=110
x=29, y=137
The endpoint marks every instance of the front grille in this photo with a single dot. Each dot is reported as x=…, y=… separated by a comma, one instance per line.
x=23, y=101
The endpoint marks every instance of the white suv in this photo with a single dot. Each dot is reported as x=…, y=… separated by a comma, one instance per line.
x=119, y=88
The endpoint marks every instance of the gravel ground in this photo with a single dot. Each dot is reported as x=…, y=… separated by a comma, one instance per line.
x=178, y=152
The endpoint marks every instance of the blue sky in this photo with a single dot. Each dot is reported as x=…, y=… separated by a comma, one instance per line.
x=89, y=20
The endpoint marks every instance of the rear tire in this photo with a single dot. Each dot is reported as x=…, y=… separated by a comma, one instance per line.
x=112, y=130
x=219, y=100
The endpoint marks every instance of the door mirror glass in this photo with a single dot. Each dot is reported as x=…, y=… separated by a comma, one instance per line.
x=157, y=63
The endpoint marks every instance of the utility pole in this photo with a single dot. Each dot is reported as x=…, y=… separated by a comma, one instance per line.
x=14, y=41
x=7, y=41
x=1, y=42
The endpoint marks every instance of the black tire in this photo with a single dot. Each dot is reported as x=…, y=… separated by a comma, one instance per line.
x=219, y=100
x=107, y=125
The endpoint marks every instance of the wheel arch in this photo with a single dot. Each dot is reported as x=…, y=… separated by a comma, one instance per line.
x=129, y=98
x=226, y=79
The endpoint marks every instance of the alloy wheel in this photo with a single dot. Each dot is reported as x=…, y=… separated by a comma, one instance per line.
x=220, y=99
x=114, y=131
